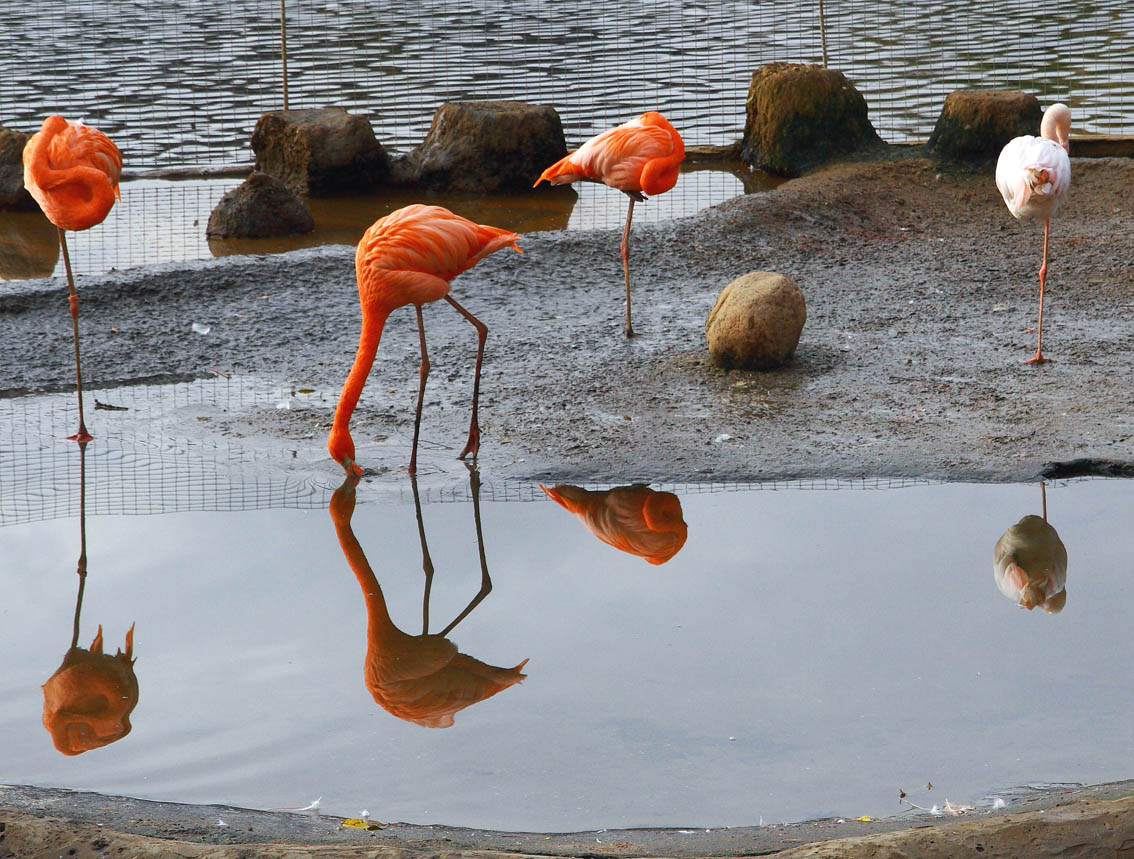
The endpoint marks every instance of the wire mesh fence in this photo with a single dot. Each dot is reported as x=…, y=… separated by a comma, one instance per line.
x=181, y=85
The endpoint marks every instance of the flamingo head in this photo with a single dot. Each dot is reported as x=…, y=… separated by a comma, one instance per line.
x=1056, y=125
x=1033, y=594
x=341, y=447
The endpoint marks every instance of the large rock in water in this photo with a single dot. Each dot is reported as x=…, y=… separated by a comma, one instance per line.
x=318, y=153
x=261, y=207
x=756, y=322
x=13, y=194
x=488, y=146
x=29, y=245
x=975, y=124
x=800, y=116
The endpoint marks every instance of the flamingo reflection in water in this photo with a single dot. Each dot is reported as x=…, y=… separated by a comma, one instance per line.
x=1030, y=563
x=418, y=678
x=634, y=519
x=88, y=700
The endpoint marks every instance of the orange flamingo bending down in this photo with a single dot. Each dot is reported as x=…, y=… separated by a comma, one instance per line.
x=72, y=171
x=1033, y=174
x=409, y=257
x=642, y=156
x=634, y=519
x=419, y=678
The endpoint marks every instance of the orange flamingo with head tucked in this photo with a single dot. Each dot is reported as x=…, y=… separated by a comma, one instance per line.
x=409, y=257
x=642, y=156
x=1033, y=174
x=72, y=171
x=634, y=519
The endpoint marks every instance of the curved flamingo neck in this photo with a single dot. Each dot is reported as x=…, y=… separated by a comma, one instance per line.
x=1056, y=125
x=377, y=614
x=660, y=174
x=73, y=198
x=339, y=442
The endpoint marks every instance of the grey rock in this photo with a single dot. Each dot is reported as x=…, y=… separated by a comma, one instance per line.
x=801, y=116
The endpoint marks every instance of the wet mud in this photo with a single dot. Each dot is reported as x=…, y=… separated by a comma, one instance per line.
x=921, y=296
x=1079, y=821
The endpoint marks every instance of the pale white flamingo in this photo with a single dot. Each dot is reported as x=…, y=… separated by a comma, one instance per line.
x=1033, y=174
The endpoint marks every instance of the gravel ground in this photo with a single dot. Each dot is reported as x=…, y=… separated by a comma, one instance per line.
x=921, y=292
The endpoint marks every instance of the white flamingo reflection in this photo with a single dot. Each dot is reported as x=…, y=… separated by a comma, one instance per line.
x=1030, y=563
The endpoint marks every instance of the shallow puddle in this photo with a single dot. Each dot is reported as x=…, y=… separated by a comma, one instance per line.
x=795, y=650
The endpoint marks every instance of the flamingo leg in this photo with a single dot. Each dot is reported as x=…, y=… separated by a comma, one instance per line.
x=624, y=249
x=1038, y=357
x=473, y=444
x=426, y=560
x=73, y=300
x=485, y=579
x=423, y=374
x=81, y=568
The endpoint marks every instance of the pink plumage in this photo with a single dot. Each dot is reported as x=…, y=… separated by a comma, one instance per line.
x=642, y=156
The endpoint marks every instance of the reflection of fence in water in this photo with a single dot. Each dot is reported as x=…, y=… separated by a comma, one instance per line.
x=524, y=491
x=156, y=468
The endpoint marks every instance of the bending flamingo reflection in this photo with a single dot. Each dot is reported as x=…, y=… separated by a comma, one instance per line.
x=1030, y=563
x=634, y=519
x=88, y=700
x=418, y=678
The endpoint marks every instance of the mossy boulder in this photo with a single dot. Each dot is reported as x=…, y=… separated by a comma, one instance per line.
x=13, y=194
x=486, y=146
x=801, y=116
x=29, y=245
x=261, y=207
x=974, y=125
x=320, y=152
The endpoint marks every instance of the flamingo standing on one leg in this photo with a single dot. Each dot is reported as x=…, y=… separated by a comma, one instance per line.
x=1033, y=174
x=72, y=171
x=642, y=156
x=409, y=257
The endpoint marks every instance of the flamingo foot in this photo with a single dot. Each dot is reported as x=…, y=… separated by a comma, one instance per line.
x=82, y=436
x=1037, y=358
x=471, y=446
x=353, y=469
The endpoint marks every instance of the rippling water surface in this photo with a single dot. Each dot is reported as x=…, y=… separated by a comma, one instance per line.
x=183, y=83
x=793, y=650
